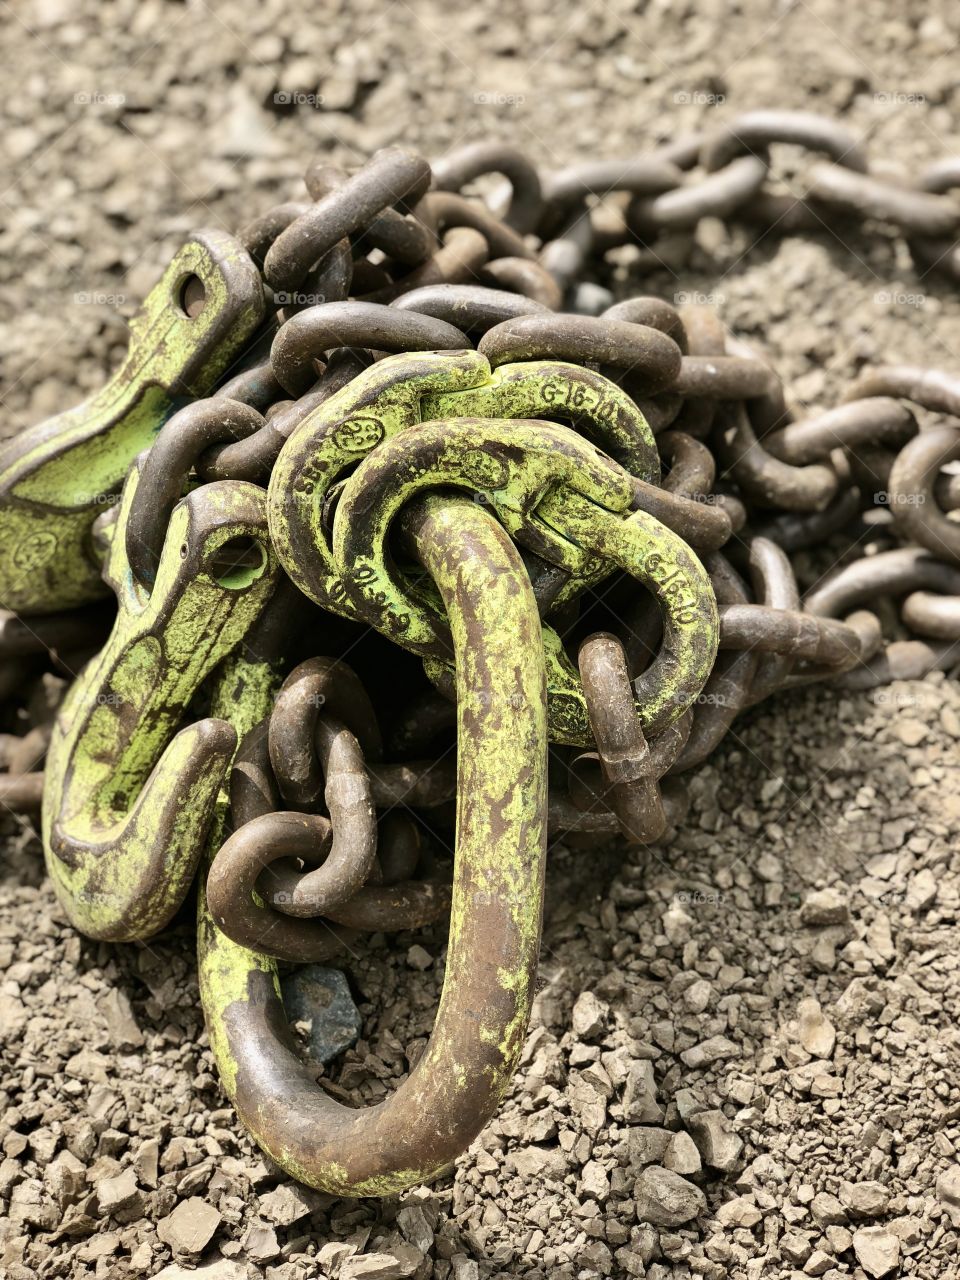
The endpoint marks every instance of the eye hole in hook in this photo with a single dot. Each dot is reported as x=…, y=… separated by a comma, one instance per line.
x=192, y=296
x=238, y=562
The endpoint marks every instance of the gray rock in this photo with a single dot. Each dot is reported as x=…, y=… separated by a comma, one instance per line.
x=948, y=1192
x=414, y=1227
x=825, y=906
x=682, y=1155
x=640, y=1104
x=817, y=1034
x=115, y=1194
x=698, y=995
x=796, y=1247
x=260, y=1242
x=717, y=1143
x=288, y=1203
x=827, y=1209
x=218, y=1268
x=395, y=1264
x=145, y=1162
x=739, y=1212
x=595, y=1181
x=30, y=1206
x=320, y=997
x=191, y=1226
x=122, y=1026
x=532, y=1161
x=864, y=1199
x=13, y=1017
x=664, y=1199
x=419, y=957
x=589, y=1014
x=647, y=1145
x=464, y=1268
x=922, y=890
x=877, y=1250
x=331, y=1255
x=708, y=1051
x=65, y=1178
x=818, y=1263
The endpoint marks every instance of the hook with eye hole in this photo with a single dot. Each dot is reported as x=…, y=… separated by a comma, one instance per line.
x=128, y=798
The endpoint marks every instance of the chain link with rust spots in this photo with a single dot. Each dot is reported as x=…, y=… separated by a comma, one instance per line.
x=787, y=468
x=324, y=326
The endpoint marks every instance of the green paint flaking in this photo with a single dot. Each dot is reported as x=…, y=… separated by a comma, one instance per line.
x=126, y=803
x=56, y=478
x=500, y=848
x=405, y=390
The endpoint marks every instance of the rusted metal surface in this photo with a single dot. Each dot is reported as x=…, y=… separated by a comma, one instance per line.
x=56, y=478
x=622, y=751
x=392, y=179
x=468, y=445
x=128, y=799
x=495, y=915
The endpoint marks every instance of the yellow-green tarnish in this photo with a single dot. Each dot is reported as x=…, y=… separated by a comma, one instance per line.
x=404, y=391
x=495, y=916
x=56, y=478
x=243, y=696
x=553, y=490
x=551, y=389
x=561, y=497
x=126, y=803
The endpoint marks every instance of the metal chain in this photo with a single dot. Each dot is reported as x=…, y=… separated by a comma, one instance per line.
x=365, y=426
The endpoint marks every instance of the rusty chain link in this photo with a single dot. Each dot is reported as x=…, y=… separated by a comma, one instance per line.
x=346, y=433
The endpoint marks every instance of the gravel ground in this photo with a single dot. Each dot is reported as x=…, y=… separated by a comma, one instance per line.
x=743, y=1056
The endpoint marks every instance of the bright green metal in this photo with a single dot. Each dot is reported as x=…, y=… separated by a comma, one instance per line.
x=495, y=921
x=653, y=554
x=243, y=695
x=548, y=389
x=402, y=391
x=556, y=493
x=56, y=478
x=507, y=464
x=126, y=803
x=553, y=388
x=336, y=436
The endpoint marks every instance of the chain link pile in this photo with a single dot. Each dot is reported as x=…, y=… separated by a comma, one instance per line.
x=390, y=492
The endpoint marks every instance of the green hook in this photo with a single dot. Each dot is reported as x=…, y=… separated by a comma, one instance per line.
x=402, y=391
x=126, y=803
x=565, y=500
x=495, y=921
x=57, y=477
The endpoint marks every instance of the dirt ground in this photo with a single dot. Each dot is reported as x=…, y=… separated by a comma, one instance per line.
x=744, y=1056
